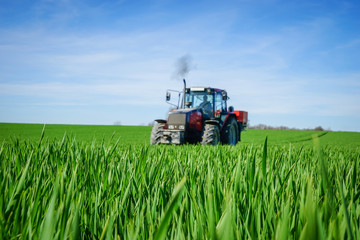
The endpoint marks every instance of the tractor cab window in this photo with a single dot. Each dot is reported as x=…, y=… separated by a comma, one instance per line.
x=200, y=100
x=220, y=104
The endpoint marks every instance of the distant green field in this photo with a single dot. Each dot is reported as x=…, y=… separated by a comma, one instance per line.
x=141, y=134
x=82, y=133
x=285, y=137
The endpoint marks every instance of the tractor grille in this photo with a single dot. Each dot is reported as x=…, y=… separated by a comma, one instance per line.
x=177, y=118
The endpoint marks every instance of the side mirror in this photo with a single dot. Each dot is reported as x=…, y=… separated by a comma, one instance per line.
x=231, y=109
x=224, y=96
x=168, y=96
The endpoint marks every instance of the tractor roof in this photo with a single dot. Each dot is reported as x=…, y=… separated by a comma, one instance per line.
x=201, y=89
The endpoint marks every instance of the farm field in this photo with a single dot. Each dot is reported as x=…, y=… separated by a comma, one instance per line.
x=82, y=133
x=97, y=182
x=141, y=134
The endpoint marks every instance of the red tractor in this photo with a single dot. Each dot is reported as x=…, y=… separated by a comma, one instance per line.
x=203, y=117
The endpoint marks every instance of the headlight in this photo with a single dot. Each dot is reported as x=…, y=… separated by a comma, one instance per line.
x=171, y=126
x=181, y=127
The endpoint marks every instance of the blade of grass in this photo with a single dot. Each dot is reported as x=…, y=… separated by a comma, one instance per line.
x=170, y=209
x=264, y=159
x=347, y=217
x=20, y=185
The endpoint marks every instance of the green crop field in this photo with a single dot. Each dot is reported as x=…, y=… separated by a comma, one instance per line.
x=141, y=135
x=107, y=182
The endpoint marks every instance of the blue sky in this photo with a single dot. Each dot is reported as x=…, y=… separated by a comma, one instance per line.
x=292, y=63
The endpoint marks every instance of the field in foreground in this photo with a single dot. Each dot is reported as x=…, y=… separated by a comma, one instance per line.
x=63, y=186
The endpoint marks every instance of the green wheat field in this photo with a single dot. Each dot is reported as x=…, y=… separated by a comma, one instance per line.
x=108, y=182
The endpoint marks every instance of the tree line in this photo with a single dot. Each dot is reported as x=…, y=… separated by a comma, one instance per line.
x=268, y=127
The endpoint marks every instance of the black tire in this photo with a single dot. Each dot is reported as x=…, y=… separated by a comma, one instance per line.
x=211, y=135
x=157, y=133
x=231, y=133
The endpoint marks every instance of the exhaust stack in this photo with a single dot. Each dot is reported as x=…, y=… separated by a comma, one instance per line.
x=183, y=103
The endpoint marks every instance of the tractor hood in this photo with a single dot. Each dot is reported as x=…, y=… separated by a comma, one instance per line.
x=181, y=119
x=178, y=117
x=186, y=110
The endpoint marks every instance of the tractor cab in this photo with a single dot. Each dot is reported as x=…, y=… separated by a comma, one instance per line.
x=211, y=101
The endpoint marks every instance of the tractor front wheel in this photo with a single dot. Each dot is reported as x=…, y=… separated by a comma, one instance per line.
x=211, y=135
x=157, y=133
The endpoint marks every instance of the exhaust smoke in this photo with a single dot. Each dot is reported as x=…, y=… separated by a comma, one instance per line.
x=183, y=65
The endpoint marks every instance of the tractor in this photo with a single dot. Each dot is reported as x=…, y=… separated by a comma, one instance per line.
x=201, y=117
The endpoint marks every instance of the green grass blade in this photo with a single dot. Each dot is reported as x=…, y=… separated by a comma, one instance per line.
x=42, y=135
x=264, y=159
x=49, y=223
x=170, y=209
x=20, y=185
x=347, y=217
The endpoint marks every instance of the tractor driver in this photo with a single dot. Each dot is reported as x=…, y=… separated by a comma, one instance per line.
x=206, y=105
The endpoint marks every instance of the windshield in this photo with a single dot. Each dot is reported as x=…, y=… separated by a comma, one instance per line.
x=203, y=100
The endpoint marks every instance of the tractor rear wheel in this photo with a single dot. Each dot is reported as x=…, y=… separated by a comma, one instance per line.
x=157, y=133
x=211, y=135
x=231, y=133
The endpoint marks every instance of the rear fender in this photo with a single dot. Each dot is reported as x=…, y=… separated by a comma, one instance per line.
x=229, y=116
